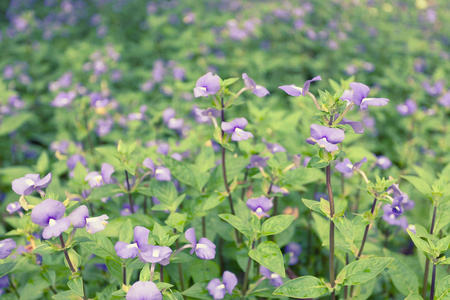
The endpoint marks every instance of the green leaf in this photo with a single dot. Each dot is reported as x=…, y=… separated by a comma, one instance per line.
x=229, y=81
x=165, y=191
x=312, y=205
x=205, y=160
x=126, y=232
x=74, y=258
x=43, y=249
x=420, y=244
x=76, y=285
x=239, y=224
x=42, y=162
x=197, y=291
x=443, y=289
x=345, y=227
x=115, y=269
x=177, y=221
x=13, y=123
x=402, y=276
x=317, y=162
x=203, y=270
x=361, y=271
x=144, y=275
x=421, y=185
x=269, y=255
x=302, y=287
x=66, y=295
x=159, y=234
x=277, y=224
x=414, y=297
x=442, y=216
x=6, y=268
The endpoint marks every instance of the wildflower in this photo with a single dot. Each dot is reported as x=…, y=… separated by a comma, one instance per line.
x=13, y=207
x=80, y=219
x=445, y=100
x=433, y=90
x=49, y=214
x=274, y=278
x=257, y=161
x=162, y=174
x=63, y=99
x=95, y=179
x=258, y=90
x=358, y=95
x=126, y=250
x=347, y=168
x=126, y=209
x=383, y=162
x=6, y=246
x=325, y=137
x=260, y=206
x=407, y=108
x=204, y=248
x=296, y=91
x=156, y=254
x=274, y=148
x=356, y=126
x=293, y=250
x=144, y=290
x=31, y=182
x=392, y=218
x=236, y=127
x=218, y=289
x=400, y=200
x=206, y=85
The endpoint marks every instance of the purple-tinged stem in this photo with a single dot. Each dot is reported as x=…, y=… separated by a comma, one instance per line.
x=366, y=231
x=129, y=194
x=346, y=287
x=124, y=273
x=433, y=282
x=330, y=197
x=224, y=170
x=69, y=262
x=427, y=262
x=247, y=273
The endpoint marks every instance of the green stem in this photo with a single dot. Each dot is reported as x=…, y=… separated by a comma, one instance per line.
x=366, y=231
x=330, y=197
x=129, y=194
x=427, y=262
x=69, y=262
x=247, y=272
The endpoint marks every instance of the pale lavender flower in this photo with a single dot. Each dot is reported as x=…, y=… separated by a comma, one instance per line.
x=74, y=159
x=29, y=183
x=358, y=95
x=274, y=278
x=156, y=254
x=296, y=91
x=260, y=206
x=383, y=162
x=6, y=246
x=325, y=137
x=444, y=100
x=206, y=85
x=347, y=168
x=204, y=248
x=217, y=289
x=126, y=209
x=125, y=250
x=433, y=90
x=162, y=174
x=49, y=214
x=144, y=290
x=63, y=99
x=293, y=250
x=96, y=224
x=95, y=179
x=13, y=207
x=235, y=128
x=258, y=90
x=257, y=161
x=407, y=108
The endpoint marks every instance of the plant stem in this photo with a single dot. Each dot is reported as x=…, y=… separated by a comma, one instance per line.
x=224, y=170
x=204, y=226
x=433, y=282
x=129, y=194
x=330, y=197
x=427, y=262
x=358, y=255
x=346, y=287
x=244, y=189
x=69, y=262
x=161, y=273
x=124, y=273
x=180, y=269
x=247, y=273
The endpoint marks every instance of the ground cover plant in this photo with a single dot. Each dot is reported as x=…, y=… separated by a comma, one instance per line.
x=224, y=149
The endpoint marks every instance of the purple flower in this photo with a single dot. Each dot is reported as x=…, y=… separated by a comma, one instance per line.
x=217, y=289
x=260, y=206
x=156, y=254
x=383, y=162
x=407, y=108
x=163, y=148
x=236, y=128
x=296, y=91
x=29, y=183
x=49, y=214
x=359, y=94
x=356, y=126
x=206, y=85
x=61, y=147
x=282, y=190
x=74, y=159
x=257, y=161
x=63, y=99
x=325, y=137
x=445, y=100
x=6, y=246
x=95, y=179
x=80, y=218
x=162, y=174
x=274, y=148
x=149, y=164
x=204, y=248
x=168, y=114
x=347, y=168
x=125, y=250
x=391, y=218
x=126, y=209
x=13, y=207
x=96, y=224
x=400, y=201
x=293, y=250
x=144, y=290
x=274, y=278
x=433, y=90
x=258, y=90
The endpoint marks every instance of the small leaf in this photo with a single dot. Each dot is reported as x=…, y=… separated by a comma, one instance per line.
x=361, y=271
x=420, y=185
x=302, y=287
x=197, y=291
x=420, y=244
x=443, y=289
x=115, y=269
x=126, y=232
x=6, y=268
x=345, y=227
x=277, y=224
x=177, y=221
x=269, y=255
x=240, y=225
x=76, y=285
x=144, y=275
